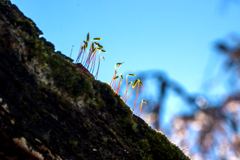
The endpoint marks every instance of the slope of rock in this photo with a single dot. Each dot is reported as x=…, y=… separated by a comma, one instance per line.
x=50, y=111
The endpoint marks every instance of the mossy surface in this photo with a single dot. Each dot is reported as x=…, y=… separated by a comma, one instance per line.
x=42, y=89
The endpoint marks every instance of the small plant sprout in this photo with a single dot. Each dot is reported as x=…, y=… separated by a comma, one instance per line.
x=88, y=60
x=125, y=95
x=100, y=48
x=120, y=82
x=113, y=82
x=141, y=106
x=133, y=86
x=127, y=88
x=82, y=51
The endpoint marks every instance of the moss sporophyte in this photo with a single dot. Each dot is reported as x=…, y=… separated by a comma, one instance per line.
x=133, y=86
x=86, y=62
x=88, y=59
x=141, y=106
x=113, y=82
x=120, y=82
x=128, y=85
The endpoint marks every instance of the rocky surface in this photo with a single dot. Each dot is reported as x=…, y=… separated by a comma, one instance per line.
x=50, y=111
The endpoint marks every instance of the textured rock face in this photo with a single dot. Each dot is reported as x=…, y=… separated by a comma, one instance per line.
x=49, y=111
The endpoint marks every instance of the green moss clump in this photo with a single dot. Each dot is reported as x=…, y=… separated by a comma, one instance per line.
x=162, y=147
x=144, y=148
x=74, y=144
x=27, y=24
x=66, y=77
x=80, y=156
x=134, y=126
x=69, y=78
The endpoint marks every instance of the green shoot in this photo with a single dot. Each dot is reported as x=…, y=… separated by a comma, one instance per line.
x=141, y=106
x=126, y=98
x=79, y=55
x=100, y=48
x=88, y=59
x=82, y=51
x=125, y=95
x=92, y=58
x=133, y=86
x=120, y=82
x=113, y=82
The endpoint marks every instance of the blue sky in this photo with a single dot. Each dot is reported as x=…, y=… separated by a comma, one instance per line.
x=173, y=36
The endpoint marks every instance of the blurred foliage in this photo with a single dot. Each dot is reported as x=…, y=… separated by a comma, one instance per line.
x=209, y=130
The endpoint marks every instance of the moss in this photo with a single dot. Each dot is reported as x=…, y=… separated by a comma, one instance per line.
x=64, y=74
x=134, y=126
x=115, y=116
x=68, y=78
x=74, y=144
x=35, y=118
x=154, y=144
x=86, y=100
x=46, y=137
x=93, y=103
x=144, y=148
x=27, y=24
x=80, y=156
x=162, y=147
x=105, y=139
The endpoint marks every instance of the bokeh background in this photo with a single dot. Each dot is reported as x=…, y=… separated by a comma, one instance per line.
x=186, y=53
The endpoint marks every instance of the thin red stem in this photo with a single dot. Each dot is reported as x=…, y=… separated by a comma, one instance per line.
x=83, y=55
x=79, y=53
x=126, y=85
x=119, y=84
x=125, y=95
x=136, y=97
x=98, y=66
x=88, y=60
x=129, y=95
x=113, y=80
x=93, y=60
